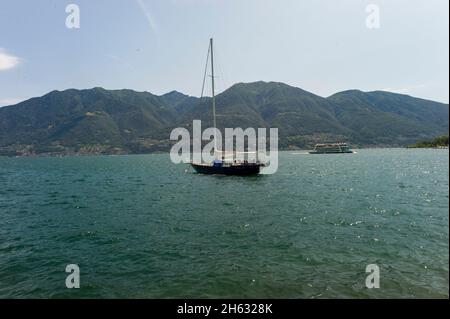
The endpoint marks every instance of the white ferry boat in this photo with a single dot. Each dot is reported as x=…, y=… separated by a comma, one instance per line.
x=332, y=148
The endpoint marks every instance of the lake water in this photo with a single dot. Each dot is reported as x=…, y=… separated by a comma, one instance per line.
x=142, y=227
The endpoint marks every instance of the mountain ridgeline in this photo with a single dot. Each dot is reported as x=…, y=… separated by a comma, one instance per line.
x=99, y=121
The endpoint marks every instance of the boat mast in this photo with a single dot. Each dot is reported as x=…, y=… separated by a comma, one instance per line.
x=213, y=94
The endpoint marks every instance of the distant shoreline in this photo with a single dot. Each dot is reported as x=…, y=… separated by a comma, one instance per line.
x=162, y=152
x=438, y=142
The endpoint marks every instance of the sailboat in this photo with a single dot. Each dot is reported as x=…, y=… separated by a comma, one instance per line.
x=221, y=165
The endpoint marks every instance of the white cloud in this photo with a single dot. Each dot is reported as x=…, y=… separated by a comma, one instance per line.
x=10, y=101
x=7, y=61
x=148, y=15
x=408, y=89
x=113, y=57
x=119, y=61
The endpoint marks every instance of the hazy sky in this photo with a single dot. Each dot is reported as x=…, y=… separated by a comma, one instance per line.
x=323, y=46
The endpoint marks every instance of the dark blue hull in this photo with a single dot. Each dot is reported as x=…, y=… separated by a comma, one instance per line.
x=240, y=170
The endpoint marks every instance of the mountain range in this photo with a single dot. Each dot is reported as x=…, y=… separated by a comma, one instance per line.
x=99, y=121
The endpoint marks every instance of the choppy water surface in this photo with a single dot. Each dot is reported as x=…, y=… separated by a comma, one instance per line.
x=140, y=226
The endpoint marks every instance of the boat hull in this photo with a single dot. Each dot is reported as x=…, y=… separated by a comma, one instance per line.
x=240, y=170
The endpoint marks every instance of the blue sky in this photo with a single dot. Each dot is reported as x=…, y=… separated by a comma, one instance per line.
x=322, y=46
